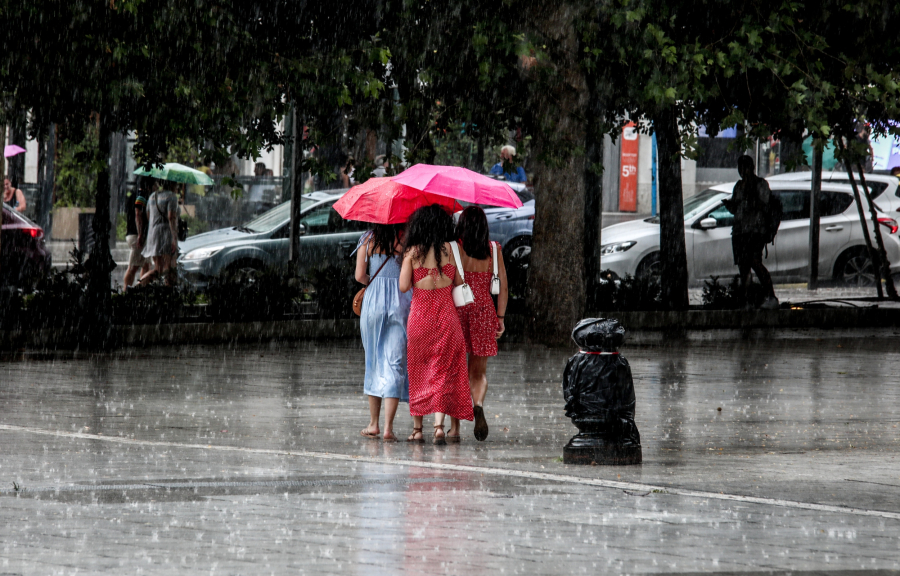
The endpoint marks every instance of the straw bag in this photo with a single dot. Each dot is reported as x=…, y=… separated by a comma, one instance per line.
x=495, y=279
x=462, y=294
x=358, y=299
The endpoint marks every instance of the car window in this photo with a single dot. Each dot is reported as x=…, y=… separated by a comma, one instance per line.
x=833, y=203
x=723, y=216
x=696, y=203
x=524, y=195
x=316, y=220
x=795, y=204
x=876, y=188
x=7, y=216
x=275, y=217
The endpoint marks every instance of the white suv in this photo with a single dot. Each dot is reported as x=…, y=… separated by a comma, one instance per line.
x=633, y=247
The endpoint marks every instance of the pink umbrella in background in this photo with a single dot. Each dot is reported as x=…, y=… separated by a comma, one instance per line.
x=12, y=150
x=459, y=183
x=381, y=201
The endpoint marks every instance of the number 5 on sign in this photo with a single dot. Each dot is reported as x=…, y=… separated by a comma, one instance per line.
x=629, y=162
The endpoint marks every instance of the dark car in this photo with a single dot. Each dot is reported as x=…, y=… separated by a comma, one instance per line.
x=24, y=258
x=326, y=239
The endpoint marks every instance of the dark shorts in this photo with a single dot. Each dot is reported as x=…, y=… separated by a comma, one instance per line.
x=747, y=248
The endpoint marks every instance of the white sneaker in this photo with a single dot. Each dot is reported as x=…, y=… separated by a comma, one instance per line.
x=770, y=303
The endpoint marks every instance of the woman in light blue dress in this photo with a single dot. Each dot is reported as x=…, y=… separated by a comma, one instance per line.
x=382, y=324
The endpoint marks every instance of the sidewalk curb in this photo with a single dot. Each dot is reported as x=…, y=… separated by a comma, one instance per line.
x=642, y=328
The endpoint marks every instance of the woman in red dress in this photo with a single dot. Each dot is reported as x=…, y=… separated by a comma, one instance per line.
x=436, y=349
x=482, y=325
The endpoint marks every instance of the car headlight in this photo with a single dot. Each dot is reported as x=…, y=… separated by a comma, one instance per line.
x=201, y=253
x=616, y=247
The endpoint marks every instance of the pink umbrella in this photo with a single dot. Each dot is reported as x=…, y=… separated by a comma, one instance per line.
x=12, y=150
x=459, y=183
x=381, y=201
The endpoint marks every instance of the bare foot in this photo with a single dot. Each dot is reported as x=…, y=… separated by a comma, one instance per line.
x=389, y=436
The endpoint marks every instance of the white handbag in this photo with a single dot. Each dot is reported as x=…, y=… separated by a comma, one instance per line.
x=495, y=279
x=462, y=294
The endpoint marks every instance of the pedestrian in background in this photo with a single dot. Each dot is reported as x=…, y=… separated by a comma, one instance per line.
x=748, y=236
x=481, y=323
x=382, y=325
x=506, y=168
x=436, y=348
x=162, y=234
x=136, y=231
x=13, y=197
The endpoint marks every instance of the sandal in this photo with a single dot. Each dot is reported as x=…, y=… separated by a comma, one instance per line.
x=439, y=440
x=412, y=437
x=389, y=438
x=453, y=438
x=365, y=432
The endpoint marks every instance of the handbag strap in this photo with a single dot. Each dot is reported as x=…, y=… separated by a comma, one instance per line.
x=494, y=251
x=386, y=258
x=455, y=248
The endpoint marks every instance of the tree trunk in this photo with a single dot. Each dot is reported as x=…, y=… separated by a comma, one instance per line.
x=556, y=275
x=882, y=253
x=593, y=216
x=813, y=282
x=672, y=251
x=96, y=330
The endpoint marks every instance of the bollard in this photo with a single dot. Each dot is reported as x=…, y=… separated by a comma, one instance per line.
x=599, y=394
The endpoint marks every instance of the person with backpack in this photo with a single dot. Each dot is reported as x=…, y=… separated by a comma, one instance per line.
x=757, y=214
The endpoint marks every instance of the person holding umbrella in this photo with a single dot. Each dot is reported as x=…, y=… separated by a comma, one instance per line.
x=382, y=326
x=482, y=324
x=162, y=212
x=385, y=310
x=162, y=235
x=13, y=196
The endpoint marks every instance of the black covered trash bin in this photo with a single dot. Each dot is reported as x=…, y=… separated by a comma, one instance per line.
x=599, y=393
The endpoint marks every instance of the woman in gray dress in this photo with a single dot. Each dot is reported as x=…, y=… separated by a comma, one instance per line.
x=162, y=235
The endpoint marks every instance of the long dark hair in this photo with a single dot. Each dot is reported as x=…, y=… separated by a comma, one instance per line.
x=385, y=237
x=429, y=228
x=472, y=230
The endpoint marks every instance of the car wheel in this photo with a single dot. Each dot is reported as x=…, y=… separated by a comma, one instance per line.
x=244, y=272
x=855, y=269
x=517, y=257
x=649, y=267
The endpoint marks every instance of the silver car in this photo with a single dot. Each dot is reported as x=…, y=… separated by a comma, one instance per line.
x=326, y=239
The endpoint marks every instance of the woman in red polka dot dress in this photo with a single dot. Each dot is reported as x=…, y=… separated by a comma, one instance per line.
x=436, y=349
x=481, y=323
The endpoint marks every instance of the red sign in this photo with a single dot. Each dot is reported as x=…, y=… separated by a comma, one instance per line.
x=628, y=176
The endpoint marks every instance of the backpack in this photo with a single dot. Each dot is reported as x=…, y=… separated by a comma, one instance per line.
x=772, y=213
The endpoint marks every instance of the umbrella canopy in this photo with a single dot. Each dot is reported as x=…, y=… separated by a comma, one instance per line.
x=175, y=172
x=459, y=183
x=381, y=201
x=12, y=150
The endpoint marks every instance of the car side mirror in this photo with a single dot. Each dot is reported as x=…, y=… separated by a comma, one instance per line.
x=708, y=223
x=301, y=230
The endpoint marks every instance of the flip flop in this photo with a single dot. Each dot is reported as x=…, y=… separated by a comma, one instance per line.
x=372, y=435
x=390, y=438
x=453, y=438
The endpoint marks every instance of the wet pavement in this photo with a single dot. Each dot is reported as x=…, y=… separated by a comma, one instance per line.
x=759, y=456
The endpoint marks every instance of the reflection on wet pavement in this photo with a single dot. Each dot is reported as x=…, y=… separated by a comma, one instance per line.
x=758, y=455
